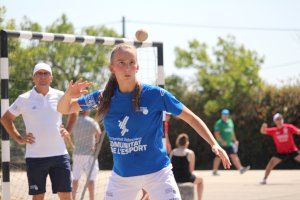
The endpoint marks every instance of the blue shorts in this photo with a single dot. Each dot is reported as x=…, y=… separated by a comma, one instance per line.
x=58, y=168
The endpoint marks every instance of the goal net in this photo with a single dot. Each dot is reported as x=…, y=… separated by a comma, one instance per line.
x=71, y=57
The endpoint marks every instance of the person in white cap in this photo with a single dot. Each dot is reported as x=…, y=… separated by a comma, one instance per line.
x=46, y=152
x=286, y=148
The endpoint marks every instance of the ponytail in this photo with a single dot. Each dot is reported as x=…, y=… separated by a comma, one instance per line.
x=136, y=97
x=105, y=97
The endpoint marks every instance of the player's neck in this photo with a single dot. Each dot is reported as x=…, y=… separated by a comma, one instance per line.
x=127, y=87
x=182, y=148
x=279, y=125
x=42, y=90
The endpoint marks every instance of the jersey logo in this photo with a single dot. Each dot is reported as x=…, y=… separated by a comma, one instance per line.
x=122, y=125
x=284, y=132
x=162, y=92
x=144, y=110
x=90, y=101
x=33, y=187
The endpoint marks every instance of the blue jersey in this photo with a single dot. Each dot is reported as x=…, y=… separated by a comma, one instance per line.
x=136, y=136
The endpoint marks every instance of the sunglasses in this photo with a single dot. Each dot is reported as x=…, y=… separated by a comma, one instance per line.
x=42, y=74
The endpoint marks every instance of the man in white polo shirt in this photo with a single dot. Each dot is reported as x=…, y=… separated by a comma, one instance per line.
x=46, y=152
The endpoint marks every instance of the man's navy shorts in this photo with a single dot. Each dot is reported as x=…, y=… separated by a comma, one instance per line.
x=58, y=168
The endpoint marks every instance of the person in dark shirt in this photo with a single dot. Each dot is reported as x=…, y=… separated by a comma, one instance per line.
x=183, y=161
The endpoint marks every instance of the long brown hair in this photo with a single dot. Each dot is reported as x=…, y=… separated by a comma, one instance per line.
x=112, y=84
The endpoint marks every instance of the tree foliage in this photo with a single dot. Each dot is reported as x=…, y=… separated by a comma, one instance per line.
x=225, y=78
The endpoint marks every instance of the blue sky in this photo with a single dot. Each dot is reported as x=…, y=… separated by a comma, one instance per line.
x=280, y=48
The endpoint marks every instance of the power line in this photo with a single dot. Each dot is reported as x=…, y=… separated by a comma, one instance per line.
x=244, y=28
x=98, y=25
x=287, y=64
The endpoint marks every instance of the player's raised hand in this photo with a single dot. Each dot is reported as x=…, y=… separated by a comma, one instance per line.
x=78, y=88
x=263, y=128
x=222, y=154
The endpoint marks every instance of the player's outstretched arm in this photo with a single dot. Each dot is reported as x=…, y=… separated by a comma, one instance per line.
x=68, y=102
x=263, y=128
x=200, y=127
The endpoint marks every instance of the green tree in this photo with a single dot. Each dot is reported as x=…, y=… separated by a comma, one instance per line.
x=229, y=78
x=176, y=85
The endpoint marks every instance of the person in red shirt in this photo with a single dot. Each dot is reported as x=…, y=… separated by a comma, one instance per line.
x=285, y=145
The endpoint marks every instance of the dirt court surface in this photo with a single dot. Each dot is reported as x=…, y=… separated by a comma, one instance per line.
x=230, y=185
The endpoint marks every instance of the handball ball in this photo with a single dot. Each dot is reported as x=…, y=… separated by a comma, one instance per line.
x=141, y=35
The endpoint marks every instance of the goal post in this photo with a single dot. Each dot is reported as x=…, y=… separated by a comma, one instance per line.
x=53, y=37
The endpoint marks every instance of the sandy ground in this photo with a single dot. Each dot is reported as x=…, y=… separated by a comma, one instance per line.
x=282, y=185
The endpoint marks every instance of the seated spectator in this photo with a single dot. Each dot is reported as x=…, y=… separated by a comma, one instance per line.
x=183, y=161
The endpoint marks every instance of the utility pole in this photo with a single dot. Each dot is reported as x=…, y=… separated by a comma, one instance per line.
x=123, y=27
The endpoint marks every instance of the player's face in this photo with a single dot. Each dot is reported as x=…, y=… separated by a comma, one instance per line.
x=124, y=64
x=225, y=117
x=279, y=121
x=42, y=78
